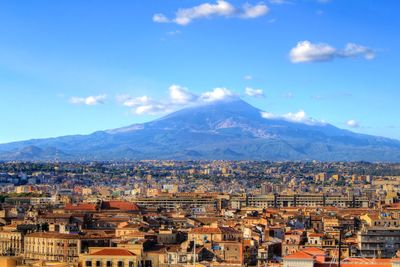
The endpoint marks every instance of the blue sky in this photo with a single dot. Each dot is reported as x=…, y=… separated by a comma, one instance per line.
x=74, y=67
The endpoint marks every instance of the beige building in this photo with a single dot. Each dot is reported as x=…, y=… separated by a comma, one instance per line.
x=52, y=246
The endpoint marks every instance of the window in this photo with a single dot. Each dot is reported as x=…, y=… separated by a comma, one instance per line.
x=131, y=264
x=109, y=264
x=98, y=263
x=120, y=264
x=88, y=264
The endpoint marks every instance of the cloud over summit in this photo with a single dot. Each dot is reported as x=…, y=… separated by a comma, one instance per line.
x=179, y=96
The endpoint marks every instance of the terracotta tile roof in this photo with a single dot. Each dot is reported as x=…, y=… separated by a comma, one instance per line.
x=113, y=252
x=314, y=251
x=300, y=255
x=87, y=235
x=119, y=205
x=207, y=220
x=315, y=235
x=55, y=235
x=55, y=216
x=363, y=260
x=359, y=262
x=306, y=254
x=311, y=253
x=81, y=207
x=214, y=230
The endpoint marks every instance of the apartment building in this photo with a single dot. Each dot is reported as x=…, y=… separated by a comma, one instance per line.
x=51, y=246
x=54, y=246
x=299, y=200
x=379, y=242
x=173, y=201
x=11, y=243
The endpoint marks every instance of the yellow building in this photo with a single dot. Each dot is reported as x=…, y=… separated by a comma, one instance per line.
x=10, y=261
x=330, y=224
x=378, y=220
x=109, y=257
x=214, y=233
x=11, y=242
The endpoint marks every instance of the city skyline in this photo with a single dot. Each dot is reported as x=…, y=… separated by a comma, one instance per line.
x=69, y=68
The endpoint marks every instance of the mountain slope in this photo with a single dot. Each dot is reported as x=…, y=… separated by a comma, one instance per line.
x=230, y=129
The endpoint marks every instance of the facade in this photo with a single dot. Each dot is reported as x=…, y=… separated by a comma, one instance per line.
x=204, y=235
x=174, y=201
x=293, y=241
x=109, y=257
x=379, y=242
x=300, y=200
x=54, y=246
x=11, y=243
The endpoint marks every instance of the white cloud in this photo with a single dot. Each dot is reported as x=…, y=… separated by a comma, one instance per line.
x=181, y=95
x=254, y=92
x=134, y=102
x=355, y=50
x=352, y=123
x=269, y=115
x=151, y=109
x=220, y=8
x=305, y=51
x=216, y=95
x=298, y=117
x=121, y=98
x=185, y=15
x=160, y=18
x=143, y=105
x=248, y=77
x=254, y=11
x=90, y=100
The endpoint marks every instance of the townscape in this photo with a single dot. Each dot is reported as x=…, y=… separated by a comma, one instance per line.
x=199, y=133
x=199, y=213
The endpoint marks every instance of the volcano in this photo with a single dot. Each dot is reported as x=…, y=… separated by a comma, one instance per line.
x=225, y=130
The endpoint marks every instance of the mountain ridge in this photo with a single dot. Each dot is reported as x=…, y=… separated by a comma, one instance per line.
x=230, y=129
